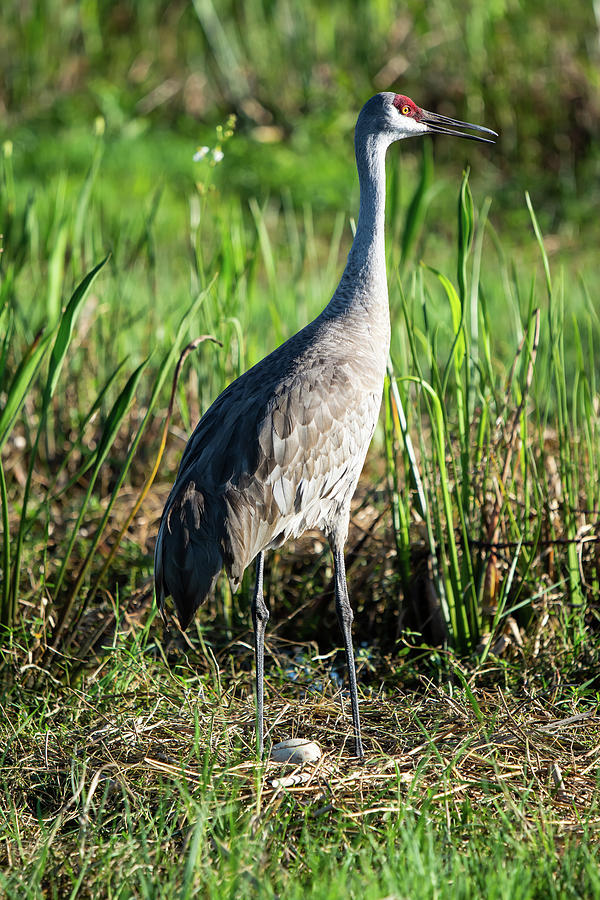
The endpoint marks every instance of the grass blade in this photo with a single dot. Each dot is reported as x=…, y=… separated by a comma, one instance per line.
x=5, y=612
x=111, y=428
x=65, y=331
x=63, y=337
x=20, y=384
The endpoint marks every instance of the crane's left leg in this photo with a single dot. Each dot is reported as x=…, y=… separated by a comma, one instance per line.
x=260, y=617
x=345, y=617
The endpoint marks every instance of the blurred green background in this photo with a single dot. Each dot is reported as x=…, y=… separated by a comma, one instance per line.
x=131, y=89
x=295, y=72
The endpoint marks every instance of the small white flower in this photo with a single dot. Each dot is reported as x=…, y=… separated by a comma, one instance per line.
x=201, y=153
x=218, y=155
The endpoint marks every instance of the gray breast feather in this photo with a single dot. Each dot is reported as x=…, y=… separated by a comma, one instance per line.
x=313, y=476
x=278, y=452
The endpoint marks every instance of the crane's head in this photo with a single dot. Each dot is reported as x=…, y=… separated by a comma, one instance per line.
x=397, y=116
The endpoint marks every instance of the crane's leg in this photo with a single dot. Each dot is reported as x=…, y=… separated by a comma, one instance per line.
x=260, y=617
x=345, y=617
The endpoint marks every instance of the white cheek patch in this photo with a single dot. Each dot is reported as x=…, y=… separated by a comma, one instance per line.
x=409, y=126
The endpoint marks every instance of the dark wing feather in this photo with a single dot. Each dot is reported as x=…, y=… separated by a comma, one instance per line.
x=279, y=451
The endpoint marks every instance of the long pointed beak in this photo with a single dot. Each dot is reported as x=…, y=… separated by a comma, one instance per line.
x=444, y=125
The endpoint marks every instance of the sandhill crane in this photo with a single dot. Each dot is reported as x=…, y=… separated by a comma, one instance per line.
x=281, y=449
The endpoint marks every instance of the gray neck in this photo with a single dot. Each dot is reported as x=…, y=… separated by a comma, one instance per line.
x=364, y=280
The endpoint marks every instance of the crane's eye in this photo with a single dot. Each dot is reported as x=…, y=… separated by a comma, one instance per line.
x=405, y=110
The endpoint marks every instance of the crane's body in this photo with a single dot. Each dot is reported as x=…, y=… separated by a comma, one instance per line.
x=280, y=451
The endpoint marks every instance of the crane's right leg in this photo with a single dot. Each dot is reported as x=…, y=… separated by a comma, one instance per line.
x=345, y=617
x=260, y=617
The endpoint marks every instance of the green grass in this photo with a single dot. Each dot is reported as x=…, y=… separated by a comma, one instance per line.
x=127, y=761
x=141, y=783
